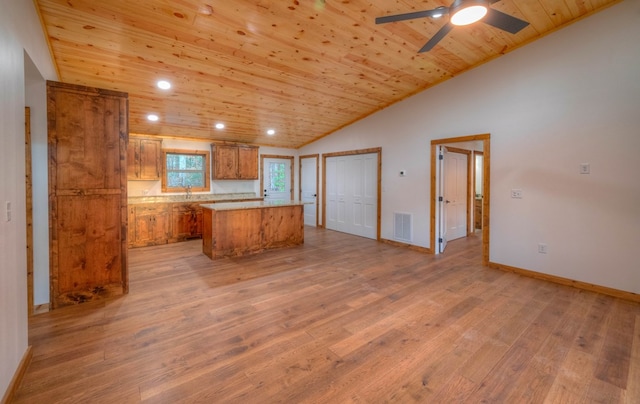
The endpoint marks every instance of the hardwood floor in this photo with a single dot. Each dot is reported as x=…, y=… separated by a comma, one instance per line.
x=338, y=319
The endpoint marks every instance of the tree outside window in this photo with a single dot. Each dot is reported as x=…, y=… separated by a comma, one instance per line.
x=185, y=169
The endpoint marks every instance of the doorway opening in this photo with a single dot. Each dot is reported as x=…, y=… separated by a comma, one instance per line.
x=437, y=203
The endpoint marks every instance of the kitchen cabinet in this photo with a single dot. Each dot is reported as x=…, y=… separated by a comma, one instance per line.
x=151, y=225
x=144, y=160
x=477, y=213
x=87, y=140
x=131, y=228
x=186, y=219
x=234, y=162
x=234, y=229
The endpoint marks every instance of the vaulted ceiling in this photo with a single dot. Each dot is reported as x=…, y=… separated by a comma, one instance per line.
x=304, y=68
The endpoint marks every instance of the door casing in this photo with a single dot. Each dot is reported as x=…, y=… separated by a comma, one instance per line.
x=486, y=164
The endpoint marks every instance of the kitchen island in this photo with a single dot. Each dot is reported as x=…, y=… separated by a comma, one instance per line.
x=239, y=228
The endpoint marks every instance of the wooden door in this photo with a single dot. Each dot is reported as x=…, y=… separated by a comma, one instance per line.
x=87, y=136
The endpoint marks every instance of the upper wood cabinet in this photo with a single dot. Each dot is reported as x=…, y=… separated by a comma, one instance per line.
x=87, y=139
x=144, y=159
x=234, y=162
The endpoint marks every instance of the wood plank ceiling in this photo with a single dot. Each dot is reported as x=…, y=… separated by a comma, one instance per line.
x=304, y=68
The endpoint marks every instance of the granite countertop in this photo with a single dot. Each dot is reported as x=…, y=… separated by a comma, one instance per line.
x=195, y=198
x=250, y=205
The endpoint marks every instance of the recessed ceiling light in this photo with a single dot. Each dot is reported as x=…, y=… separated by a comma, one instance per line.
x=271, y=132
x=164, y=85
x=152, y=117
x=219, y=125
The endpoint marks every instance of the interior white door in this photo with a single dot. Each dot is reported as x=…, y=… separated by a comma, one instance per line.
x=352, y=189
x=455, y=175
x=277, y=179
x=309, y=189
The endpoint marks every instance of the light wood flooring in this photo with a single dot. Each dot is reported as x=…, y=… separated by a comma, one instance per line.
x=339, y=319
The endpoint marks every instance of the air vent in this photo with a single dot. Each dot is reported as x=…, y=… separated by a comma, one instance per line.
x=402, y=225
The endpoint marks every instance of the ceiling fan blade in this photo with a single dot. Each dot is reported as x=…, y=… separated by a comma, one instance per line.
x=439, y=11
x=437, y=37
x=504, y=21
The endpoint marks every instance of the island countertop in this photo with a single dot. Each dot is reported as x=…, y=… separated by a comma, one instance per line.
x=249, y=205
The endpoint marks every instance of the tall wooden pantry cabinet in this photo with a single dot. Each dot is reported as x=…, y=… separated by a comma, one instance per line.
x=88, y=136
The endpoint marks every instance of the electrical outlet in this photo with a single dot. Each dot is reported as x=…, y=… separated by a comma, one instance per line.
x=7, y=211
x=542, y=248
x=516, y=193
x=585, y=168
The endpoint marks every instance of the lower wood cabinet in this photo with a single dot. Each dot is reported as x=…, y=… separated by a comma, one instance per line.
x=151, y=224
x=163, y=223
x=186, y=220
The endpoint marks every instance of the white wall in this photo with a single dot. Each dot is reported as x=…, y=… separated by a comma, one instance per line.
x=20, y=32
x=569, y=98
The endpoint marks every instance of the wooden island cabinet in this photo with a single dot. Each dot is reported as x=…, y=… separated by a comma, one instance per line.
x=233, y=229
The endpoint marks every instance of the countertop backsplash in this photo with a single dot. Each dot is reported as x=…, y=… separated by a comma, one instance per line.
x=168, y=198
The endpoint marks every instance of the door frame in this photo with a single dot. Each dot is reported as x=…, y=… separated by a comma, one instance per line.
x=486, y=164
x=309, y=156
x=274, y=156
x=29, y=209
x=378, y=151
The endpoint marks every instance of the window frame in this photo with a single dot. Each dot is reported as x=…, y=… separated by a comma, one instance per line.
x=205, y=169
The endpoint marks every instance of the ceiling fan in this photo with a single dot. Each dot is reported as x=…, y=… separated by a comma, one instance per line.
x=461, y=12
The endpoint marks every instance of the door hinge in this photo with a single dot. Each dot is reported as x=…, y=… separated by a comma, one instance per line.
x=440, y=157
x=440, y=240
x=440, y=199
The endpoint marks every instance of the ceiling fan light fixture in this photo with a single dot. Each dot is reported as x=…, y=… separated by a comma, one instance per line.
x=465, y=12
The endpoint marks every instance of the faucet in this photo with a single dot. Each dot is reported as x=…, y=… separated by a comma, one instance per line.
x=188, y=187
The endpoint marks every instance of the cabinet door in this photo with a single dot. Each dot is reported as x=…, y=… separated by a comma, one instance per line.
x=160, y=227
x=133, y=159
x=186, y=221
x=151, y=224
x=225, y=162
x=150, y=159
x=247, y=163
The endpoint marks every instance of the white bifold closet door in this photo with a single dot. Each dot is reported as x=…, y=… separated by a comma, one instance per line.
x=352, y=194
